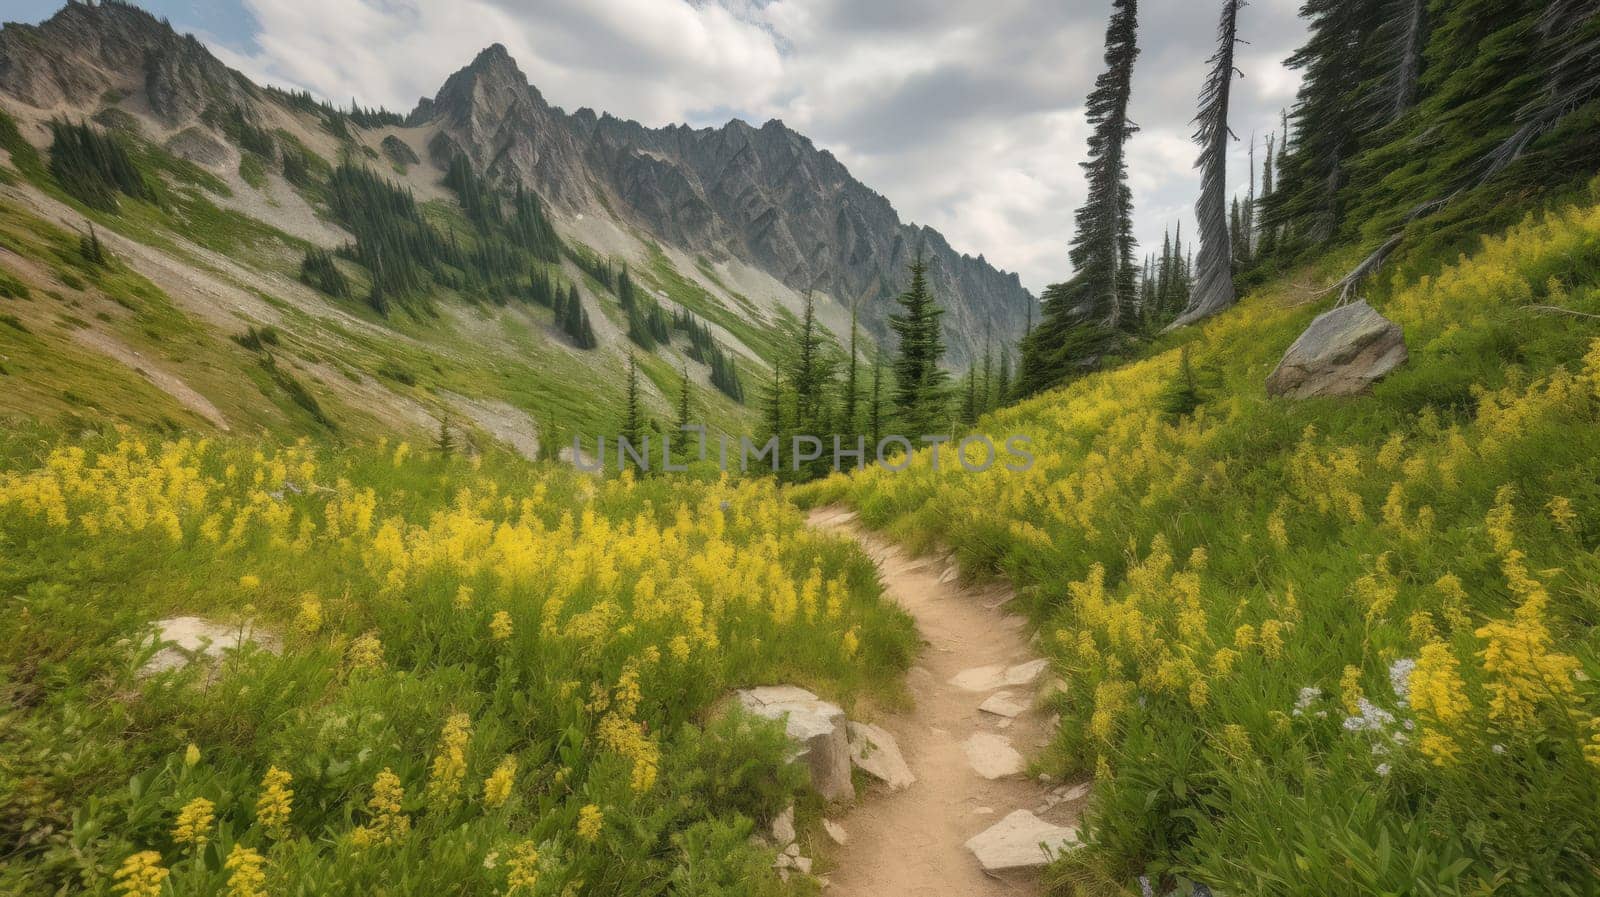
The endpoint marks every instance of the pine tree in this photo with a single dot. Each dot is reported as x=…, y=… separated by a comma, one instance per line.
x=919, y=389
x=852, y=388
x=633, y=422
x=685, y=409
x=810, y=373
x=1102, y=248
x=1268, y=239
x=969, y=399
x=1328, y=117
x=875, y=419
x=1213, y=291
x=1003, y=387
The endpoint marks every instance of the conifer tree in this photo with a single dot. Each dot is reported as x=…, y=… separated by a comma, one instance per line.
x=633, y=422
x=919, y=388
x=852, y=388
x=875, y=418
x=1213, y=290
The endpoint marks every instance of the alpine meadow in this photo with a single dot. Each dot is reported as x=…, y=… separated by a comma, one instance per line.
x=510, y=498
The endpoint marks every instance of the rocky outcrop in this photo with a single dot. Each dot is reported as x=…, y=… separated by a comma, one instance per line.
x=83, y=53
x=765, y=196
x=1342, y=353
x=817, y=728
x=1021, y=841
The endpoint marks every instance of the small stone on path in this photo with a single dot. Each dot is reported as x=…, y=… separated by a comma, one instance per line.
x=1003, y=703
x=836, y=832
x=992, y=756
x=986, y=678
x=1021, y=841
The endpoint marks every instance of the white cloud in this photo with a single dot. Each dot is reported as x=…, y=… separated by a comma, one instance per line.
x=968, y=116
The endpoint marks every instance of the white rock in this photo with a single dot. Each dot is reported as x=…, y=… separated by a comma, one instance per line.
x=986, y=678
x=803, y=864
x=1003, y=703
x=184, y=640
x=876, y=753
x=836, y=832
x=1077, y=792
x=792, y=850
x=783, y=828
x=817, y=726
x=950, y=575
x=783, y=861
x=1025, y=673
x=992, y=756
x=1021, y=841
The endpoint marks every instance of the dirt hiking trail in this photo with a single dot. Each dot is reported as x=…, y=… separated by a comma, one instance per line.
x=912, y=843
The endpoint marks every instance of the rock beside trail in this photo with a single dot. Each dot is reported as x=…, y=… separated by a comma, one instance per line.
x=1342, y=353
x=992, y=756
x=185, y=640
x=817, y=726
x=1021, y=841
x=876, y=753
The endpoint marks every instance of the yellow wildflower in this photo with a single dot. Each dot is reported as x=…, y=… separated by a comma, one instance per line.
x=463, y=599
x=309, y=621
x=522, y=870
x=500, y=626
x=365, y=653
x=141, y=875
x=1437, y=690
x=1438, y=747
x=450, y=759
x=249, y=582
x=1271, y=638
x=388, y=824
x=194, y=823
x=590, y=821
x=275, y=802
x=191, y=756
x=1561, y=512
x=1350, y=690
x=247, y=876
x=497, y=787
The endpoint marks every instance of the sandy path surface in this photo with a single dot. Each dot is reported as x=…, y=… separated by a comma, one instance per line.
x=912, y=842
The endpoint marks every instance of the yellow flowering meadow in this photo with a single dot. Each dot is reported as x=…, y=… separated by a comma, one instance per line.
x=449, y=657
x=1294, y=631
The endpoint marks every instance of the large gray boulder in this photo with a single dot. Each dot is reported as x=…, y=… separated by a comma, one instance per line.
x=1342, y=353
x=816, y=726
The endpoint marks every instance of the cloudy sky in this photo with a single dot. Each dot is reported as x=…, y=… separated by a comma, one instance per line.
x=968, y=116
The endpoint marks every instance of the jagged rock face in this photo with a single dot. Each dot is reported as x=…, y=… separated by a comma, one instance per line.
x=766, y=196
x=81, y=53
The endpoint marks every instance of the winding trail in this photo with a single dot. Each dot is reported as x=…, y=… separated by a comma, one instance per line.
x=911, y=843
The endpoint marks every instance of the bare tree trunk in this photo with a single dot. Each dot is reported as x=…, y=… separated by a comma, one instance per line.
x=1213, y=288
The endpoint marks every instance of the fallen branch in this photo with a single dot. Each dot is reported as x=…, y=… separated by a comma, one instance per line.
x=1558, y=310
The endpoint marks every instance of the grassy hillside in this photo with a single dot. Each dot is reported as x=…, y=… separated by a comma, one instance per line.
x=1336, y=647
x=490, y=672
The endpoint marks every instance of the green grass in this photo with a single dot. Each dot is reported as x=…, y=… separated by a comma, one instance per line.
x=599, y=683
x=1195, y=565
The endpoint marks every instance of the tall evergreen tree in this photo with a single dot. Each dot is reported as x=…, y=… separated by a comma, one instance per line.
x=633, y=422
x=1213, y=290
x=875, y=417
x=852, y=386
x=919, y=388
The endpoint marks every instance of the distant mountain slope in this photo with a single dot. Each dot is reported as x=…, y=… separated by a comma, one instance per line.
x=758, y=198
x=766, y=196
